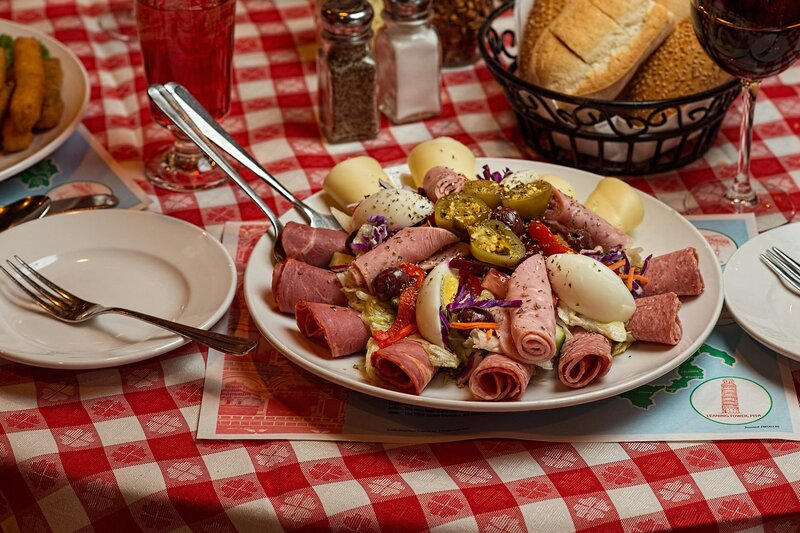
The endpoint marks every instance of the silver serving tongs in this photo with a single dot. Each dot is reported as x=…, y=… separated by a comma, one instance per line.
x=217, y=135
x=167, y=103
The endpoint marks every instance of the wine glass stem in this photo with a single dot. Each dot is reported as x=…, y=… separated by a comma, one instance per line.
x=742, y=193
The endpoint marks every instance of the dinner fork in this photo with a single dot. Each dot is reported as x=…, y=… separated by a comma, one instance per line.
x=217, y=135
x=67, y=307
x=786, y=268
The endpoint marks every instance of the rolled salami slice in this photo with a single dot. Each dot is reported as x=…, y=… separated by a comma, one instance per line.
x=499, y=377
x=677, y=272
x=585, y=357
x=533, y=325
x=409, y=245
x=656, y=319
x=314, y=246
x=441, y=181
x=294, y=280
x=496, y=282
x=337, y=327
x=404, y=366
x=574, y=215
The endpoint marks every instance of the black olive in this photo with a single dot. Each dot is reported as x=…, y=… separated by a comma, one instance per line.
x=474, y=314
x=510, y=218
x=390, y=283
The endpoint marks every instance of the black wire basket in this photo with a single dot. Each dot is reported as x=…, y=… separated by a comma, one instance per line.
x=607, y=137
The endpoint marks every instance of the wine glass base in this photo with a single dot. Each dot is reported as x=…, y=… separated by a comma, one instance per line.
x=773, y=206
x=169, y=171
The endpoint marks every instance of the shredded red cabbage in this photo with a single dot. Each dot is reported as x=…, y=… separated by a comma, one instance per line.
x=371, y=234
x=494, y=176
x=465, y=299
x=444, y=324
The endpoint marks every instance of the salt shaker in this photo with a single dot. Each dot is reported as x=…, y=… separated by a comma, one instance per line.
x=409, y=62
x=348, y=86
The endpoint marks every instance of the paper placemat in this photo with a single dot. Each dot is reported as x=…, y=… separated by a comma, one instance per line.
x=79, y=166
x=731, y=388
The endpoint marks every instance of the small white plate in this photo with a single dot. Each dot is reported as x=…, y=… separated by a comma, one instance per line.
x=144, y=261
x=757, y=299
x=662, y=231
x=74, y=92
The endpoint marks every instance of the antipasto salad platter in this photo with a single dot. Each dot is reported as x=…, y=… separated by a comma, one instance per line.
x=485, y=284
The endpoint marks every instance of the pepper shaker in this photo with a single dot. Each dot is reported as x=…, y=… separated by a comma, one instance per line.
x=348, y=103
x=409, y=62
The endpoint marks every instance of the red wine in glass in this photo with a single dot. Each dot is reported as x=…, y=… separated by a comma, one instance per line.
x=752, y=40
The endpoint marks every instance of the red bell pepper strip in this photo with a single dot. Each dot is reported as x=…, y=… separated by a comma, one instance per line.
x=549, y=242
x=405, y=323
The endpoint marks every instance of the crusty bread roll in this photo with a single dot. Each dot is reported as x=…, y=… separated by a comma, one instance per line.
x=680, y=9
x=594, y=47
x=679, y=67
x=541, y=15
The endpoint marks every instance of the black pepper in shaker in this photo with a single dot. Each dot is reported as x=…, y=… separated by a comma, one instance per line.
x=348, y=103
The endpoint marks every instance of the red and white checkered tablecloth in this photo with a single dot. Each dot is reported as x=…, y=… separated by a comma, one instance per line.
x=114, y=449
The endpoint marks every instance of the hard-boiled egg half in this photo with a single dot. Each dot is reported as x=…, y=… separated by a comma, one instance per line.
x=590, y=288
x=438, y=290
x=400, y=207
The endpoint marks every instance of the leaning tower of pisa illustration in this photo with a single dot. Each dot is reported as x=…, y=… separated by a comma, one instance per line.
x=730, y=396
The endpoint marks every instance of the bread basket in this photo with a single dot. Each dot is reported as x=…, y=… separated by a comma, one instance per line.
x=607, y=137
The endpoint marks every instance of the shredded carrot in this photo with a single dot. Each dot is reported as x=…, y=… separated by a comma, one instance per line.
x=474, y=325
x=488, y=335
x=614, y=266
x=629, y=280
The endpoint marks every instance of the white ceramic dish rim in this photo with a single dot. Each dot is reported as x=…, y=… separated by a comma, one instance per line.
x=258, y=276
x=202, y=311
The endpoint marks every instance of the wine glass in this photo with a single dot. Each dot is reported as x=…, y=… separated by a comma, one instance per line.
x=751, y=40
x=189, y=42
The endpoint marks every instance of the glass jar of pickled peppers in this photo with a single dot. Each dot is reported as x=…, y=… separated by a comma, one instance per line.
x=457, y=22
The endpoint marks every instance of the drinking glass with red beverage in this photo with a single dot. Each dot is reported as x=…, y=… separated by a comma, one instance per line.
x=189, y=42
x=752, y=40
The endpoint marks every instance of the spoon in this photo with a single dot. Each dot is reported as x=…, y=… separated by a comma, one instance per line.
x=33, y=207
x=23, y=210
x=165, y=101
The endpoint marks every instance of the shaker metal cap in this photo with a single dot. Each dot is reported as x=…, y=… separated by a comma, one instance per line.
x=346, y=17
x=407, y=9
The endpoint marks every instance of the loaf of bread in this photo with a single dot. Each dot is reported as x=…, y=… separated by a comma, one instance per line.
x=680, y=9
x=593, y=47
x=541, y=15
x=679, y=67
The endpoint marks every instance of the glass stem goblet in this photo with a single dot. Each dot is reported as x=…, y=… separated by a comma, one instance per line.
x=182, y=166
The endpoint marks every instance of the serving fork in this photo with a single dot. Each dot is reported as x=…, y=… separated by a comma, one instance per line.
x=786, y=268
x=68, y=307
x=215, y=133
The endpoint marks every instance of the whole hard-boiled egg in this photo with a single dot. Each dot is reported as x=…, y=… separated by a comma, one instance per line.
x=590, y=288
x=400, y=207
x=438, y=290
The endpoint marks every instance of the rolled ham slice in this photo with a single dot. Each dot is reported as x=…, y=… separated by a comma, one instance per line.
x=656, y=319
x=337, y=327
x=314, y=246
x=531, y=327
x=441, y=181
x=574, y=215
x=585, y=357
x=409, y=245
x=295, y=280
x=499, y=377
x=404, y=366
x=677, y=272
